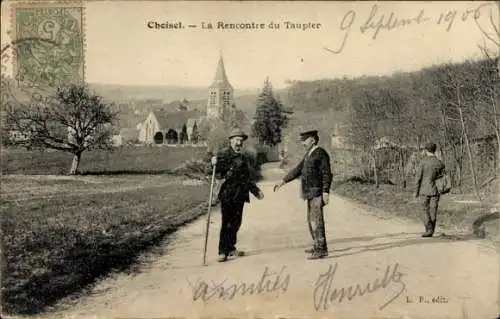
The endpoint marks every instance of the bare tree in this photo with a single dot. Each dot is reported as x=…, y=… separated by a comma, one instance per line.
x=458, y=90
x=489, y=83
x=493, y=37
x=485, y=109
x=71, y=120
x=364, y=129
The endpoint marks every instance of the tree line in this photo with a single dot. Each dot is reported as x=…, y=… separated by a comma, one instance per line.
x=454, y=105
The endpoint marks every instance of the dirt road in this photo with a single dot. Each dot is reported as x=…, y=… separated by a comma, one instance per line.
x=408, y=276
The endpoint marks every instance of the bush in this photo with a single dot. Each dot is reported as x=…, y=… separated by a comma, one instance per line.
x=193, y=168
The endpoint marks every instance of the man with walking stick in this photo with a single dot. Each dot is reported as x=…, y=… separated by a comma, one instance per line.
x=234, y=166
x=316, y=177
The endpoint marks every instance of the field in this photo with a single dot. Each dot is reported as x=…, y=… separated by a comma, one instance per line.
x=61, y=233
x=133, y=160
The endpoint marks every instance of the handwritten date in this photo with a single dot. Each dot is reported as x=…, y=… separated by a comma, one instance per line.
x=376, y=21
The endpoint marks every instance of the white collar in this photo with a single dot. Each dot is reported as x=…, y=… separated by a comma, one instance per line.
x=312, y=150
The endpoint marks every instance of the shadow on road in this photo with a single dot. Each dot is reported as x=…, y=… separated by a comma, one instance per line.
x=400, y=243
x=330, y=243
x=408, y=240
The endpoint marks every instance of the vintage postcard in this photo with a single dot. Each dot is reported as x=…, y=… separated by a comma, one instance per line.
x=250, y=159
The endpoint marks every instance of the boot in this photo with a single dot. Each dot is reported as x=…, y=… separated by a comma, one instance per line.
x=428, y=230
x=236, y=253
x=310, y=250
x=433, y=226
x=318, y=254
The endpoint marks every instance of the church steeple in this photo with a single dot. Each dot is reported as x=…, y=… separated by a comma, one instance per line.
x=220, y=93
x=220, y=80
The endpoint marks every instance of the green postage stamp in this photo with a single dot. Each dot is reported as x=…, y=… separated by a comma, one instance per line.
x=49, y=43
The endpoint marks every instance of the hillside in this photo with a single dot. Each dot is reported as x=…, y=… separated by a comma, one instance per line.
x=167, y=93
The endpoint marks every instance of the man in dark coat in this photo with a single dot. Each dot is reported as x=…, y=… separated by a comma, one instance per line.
x=431, y=168
x=235, y=168
x=316, y=178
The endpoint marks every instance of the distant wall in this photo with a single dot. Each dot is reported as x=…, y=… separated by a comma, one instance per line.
x=271, y=152
x=347, y=163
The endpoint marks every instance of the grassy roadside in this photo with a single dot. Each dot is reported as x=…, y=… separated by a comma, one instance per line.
x=60, y=234
x=457, y=213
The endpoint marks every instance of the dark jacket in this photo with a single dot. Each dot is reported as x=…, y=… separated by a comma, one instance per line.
x=430, y=169
x=236, y=170
x=314, y=172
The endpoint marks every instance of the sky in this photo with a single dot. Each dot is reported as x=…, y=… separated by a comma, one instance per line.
x=121, y=49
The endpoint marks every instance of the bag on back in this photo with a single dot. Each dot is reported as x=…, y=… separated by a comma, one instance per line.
x=443, y=184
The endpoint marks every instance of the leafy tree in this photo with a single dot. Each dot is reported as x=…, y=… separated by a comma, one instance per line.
x=183, y=136
x=214, y=131
x=72, y=120
x=234, y=118
x=195, y=134
x=270, y=118
x=217, y=136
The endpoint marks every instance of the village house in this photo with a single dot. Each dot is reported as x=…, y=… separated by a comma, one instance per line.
x=167, y=128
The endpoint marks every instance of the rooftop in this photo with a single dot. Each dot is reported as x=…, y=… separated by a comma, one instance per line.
x=176, y=120
x=220, y=80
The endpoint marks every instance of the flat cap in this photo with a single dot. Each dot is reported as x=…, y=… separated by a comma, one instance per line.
x=308, y=133
x=238, y=132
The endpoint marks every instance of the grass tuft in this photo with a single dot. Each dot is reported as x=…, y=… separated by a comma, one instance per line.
x=457, y=212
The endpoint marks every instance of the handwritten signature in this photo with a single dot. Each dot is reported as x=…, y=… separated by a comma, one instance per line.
x=377, y=21
x=324, y=294
x=270, y=281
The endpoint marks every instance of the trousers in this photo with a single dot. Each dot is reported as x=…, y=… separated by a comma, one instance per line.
x=316, y=222
x=430, y=206
x=232, y=213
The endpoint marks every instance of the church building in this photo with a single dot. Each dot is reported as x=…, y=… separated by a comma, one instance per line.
x=163, y=127
x=220, y=93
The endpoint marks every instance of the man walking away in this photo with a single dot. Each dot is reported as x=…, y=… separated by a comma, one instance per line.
x=233, y=166
x=431, y=168
x=316, y=177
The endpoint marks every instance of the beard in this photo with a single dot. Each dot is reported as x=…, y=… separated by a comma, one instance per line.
x=237, y=149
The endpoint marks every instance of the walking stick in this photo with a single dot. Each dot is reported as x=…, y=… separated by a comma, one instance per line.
x=208, y=216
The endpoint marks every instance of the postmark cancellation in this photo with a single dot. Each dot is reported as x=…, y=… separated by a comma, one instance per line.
x=48, y=43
